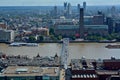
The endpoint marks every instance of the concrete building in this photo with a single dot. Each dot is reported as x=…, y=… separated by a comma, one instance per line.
x=98, y=20
x=110, y=23
x=30, y=73
x=40, y=31
x=7, y=35
x=94, y=20
x=88, y=20
x=117, y=27
x=3, y=26
x=62, y=20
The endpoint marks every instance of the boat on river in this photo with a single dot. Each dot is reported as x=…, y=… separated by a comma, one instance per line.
x=113, y=46
x=17, y=44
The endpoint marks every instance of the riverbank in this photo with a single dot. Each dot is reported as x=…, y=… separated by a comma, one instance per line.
x=71, y=41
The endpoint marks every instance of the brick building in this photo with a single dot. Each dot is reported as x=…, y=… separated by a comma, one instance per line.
x=74, y=29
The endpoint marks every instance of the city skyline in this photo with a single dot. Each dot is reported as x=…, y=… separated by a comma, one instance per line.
x=55, y=2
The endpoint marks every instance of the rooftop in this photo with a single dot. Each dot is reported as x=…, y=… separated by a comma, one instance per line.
x=106, y=72
x=86, y=26
x=111, y=60
x=85, y=76
x=22, y=60
x=78, y=64
x=30, y=71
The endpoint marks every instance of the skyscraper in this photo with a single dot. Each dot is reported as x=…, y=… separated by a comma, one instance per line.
x=81, y=23
x=55, y=11
x=65, y=9
x=65, y=5
x=110, y=23
x=113, y=11
x=69, y=12
x=84, y=7
x=78, y=7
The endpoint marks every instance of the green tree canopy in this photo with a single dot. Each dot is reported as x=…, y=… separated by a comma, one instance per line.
x=32, y=39
x=51, y=31
x=40, y=38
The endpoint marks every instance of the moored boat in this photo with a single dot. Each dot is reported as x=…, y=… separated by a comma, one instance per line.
x=23, y=44
x=113, y=46
x=32, y=44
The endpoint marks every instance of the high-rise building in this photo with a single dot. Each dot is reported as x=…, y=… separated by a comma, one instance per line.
x=78, y=7
x=110, y=22
x=65, y=5
x=84, y=6
x=55, y=11
x=81, y=23
x=113, y=11
x=117, y=27
x=65, y=9
x=69, y=12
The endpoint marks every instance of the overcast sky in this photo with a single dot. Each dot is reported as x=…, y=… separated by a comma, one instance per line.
x=55, y=2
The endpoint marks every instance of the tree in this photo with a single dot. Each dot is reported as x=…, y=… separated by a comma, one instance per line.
x=31, y=39
x=52, y=37
x=73, y=37
x=51, y=31
x=109, y=37
x=40, y=38
x=59, y=37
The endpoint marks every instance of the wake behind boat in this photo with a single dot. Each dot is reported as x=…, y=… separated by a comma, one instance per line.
x=18, y=44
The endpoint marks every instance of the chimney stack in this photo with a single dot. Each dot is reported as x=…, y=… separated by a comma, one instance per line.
x=81, y=23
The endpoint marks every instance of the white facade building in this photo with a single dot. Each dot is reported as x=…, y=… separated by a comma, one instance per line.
x=6, y=35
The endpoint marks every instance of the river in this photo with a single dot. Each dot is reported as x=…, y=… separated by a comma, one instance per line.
x=76, y=50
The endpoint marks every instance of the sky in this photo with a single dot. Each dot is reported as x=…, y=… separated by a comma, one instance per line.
x=56, y=2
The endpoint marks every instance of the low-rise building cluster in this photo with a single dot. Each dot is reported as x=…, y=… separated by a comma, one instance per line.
x=11, y=60
x=91, y=69
x=49, y=68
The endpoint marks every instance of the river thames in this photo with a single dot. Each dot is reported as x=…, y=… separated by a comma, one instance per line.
x=76, y=50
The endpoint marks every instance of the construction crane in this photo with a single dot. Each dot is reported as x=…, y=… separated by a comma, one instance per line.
x=65, y=53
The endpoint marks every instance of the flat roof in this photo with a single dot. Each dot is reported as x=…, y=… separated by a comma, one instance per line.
x=21, y=69
x=111, y=60
x=77, y=64
x=30, y=71
x=106, y=72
